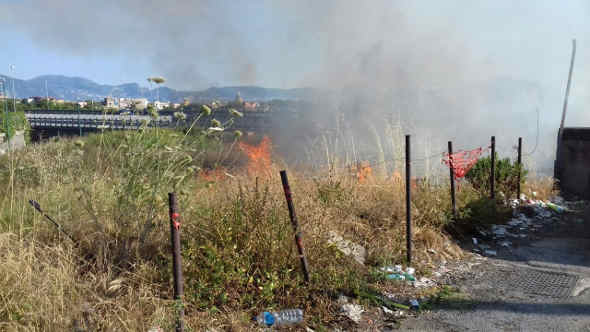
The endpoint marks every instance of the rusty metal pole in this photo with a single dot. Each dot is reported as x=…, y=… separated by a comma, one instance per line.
x=295, y=224
x=37, y=207
x=408, y=203
x=519, y=167
x=493, y=169
x=452, y=171
x=176, y=261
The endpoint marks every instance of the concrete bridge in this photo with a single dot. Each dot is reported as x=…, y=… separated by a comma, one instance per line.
x=49, y=123
x=93, y=121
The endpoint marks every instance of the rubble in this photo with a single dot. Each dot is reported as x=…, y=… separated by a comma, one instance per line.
x=424, y=283
x=529, y=215
x=395, y=314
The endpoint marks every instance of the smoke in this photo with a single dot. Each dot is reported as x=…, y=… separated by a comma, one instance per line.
x=178, y=38
x=460, y=72
x=452, y=70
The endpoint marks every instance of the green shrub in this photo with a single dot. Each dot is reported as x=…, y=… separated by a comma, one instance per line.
x=16, y=121
x=506, y=176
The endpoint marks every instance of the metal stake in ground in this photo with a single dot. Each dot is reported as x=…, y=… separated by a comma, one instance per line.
x=493, y=169
x=59, y=228
x=452, y=169
x=519, y=167
x=408, y=203
x=295, y=224
x=176, y=261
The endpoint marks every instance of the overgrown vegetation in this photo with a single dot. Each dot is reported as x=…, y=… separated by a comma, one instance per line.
x=11, y=122
x=110, y=192
x=506, y=176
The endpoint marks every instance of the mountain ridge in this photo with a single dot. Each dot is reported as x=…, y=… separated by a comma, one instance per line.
x=80, y=88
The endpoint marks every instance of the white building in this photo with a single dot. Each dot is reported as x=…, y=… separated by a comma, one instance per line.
x=160, y=105
x=130, y=103
x=125, y=103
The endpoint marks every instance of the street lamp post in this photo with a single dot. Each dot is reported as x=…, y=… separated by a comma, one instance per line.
x=12, y=70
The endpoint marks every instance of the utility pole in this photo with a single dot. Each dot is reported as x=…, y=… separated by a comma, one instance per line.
x=569, y=82
x=556, y=165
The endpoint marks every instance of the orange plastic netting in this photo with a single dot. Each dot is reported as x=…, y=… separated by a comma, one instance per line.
x=462, y=161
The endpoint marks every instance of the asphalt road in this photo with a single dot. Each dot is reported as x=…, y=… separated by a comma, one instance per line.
x=538, y=284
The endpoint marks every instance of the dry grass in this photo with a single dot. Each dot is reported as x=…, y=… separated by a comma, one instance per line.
x=110, y=193
x=542, y=187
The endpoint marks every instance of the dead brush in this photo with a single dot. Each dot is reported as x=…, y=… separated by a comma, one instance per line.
x=542, y=187
x=238, y=251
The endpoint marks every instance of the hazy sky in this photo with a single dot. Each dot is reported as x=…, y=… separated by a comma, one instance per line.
x=285, y=43
x=380, y=48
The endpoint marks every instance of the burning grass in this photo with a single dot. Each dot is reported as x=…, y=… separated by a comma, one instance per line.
x=239, y=258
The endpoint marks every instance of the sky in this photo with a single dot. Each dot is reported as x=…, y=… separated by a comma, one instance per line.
x=378, y=48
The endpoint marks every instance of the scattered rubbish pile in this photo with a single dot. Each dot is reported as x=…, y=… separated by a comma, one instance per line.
x=397, y=273
x=358, y=252
x=529, y=216
x=352, y=311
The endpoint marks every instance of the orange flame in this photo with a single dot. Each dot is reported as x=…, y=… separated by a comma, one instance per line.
x=398, y=180
x=213, y=175
x=364, y=172
x=259, y=156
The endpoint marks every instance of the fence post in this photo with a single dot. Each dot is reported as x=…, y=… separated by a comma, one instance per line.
x=519, y=167
x=295, y=224
x=493, y=169
x=452, y=171
x=408, y=203
x=176, y=261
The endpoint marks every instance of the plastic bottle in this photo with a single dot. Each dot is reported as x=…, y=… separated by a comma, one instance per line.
x=280, y=318
x=414, y=304
x=555, y=207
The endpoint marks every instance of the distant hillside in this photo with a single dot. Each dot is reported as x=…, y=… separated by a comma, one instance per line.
x=78, y=88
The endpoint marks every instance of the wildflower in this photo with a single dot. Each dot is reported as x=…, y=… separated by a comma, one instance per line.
x=179, y=116
x=205, y=110
x=235, y=113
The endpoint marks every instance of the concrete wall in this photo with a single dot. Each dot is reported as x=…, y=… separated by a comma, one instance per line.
x=573, y=162
x=17, y=142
